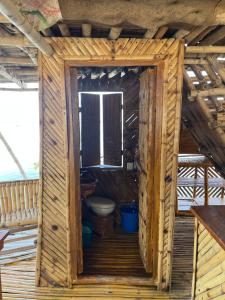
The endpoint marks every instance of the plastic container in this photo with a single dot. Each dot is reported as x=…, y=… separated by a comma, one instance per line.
x=87, y=234
x=129, y=218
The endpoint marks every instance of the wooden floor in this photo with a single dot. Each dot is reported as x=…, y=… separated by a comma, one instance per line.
x=18, y=279
x=116, y=254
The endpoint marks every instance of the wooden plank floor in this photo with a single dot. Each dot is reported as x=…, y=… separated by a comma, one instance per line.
x=18, y=279
x=116, y=254
x=20, y=244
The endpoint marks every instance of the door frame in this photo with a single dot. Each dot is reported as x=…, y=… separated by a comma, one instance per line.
x=54, y=260
x=75, y=207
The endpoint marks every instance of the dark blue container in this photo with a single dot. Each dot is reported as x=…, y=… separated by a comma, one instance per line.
x=129, y=218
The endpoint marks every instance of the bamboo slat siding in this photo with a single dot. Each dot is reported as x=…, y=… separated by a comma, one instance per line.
x=18, y=202
x=54, y=243
x=210, y=267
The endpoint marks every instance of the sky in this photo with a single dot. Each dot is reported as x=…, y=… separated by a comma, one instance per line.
x=19, y=124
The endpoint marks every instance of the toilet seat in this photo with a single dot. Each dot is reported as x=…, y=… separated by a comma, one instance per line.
x=100, y=205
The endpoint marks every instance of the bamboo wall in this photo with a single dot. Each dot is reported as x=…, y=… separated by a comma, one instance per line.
x=55, y=248
x=209, y=268
x=18, y=202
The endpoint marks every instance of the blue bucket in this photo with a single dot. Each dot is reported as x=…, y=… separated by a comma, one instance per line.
x=129, y=218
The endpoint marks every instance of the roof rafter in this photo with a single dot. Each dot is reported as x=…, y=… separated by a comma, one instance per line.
x=12, y=77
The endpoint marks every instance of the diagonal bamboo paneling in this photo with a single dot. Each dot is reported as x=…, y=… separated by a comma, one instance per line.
x=209, y=270
x=54, y=246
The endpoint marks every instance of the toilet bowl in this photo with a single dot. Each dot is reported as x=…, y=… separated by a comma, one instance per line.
x=101, y=206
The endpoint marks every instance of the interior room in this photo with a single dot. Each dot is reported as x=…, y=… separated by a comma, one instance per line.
x=110, y=170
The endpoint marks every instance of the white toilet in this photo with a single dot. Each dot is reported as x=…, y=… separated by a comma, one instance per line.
x=101, y=206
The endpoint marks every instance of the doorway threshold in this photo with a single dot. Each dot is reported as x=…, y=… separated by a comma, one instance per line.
x=116, y=279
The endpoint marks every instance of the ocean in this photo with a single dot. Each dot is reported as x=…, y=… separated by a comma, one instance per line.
x=16, y=175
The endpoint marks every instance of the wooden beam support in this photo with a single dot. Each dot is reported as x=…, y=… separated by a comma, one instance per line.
x=25, y=79
x=209, y=92
x=201, y=36
x=114, y=33
x=64, y=29
x=19, y=90
x=217, y=66
x=181, y=33
x=86, y=29
x=24, y=72
x=13, y=41
x=160, y=32
x=150, y=33
x=195, y=61
x=214, y=37
x=32, y=53
x=15, y=60
x=216, y=80
x=12, y=77
x=14, y=15
x=205, y=49
x=194, y=33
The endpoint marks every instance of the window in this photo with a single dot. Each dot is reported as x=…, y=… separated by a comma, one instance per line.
x=101, y=126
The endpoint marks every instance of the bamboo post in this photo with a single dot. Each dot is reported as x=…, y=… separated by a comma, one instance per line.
x=195, y=177
x=206, y=185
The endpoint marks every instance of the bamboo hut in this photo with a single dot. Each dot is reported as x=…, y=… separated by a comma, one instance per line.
x=132, y=122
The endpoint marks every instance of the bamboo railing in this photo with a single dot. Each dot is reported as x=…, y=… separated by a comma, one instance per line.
x=198, y=184
x=18, y=202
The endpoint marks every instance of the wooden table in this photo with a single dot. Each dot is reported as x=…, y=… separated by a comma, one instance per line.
x=209, y=252
x=3, y=235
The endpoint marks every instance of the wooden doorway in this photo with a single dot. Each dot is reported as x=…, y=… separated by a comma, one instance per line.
x=56, y=260
x=148, y=202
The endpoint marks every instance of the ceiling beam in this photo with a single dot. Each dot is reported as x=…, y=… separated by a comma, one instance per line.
x=12, y=13
x=114, y=33
x=195, y=61
x=202, y=35
x=24, y=72
x=160, y=32
x=86, y=29
x=208, y=92
x=214, y=37
x=181, y=33
x=194, y=33
x=64, y=29
x=12, y=77
x=217, y=66
x=150, y=33
x=205, y=49
x=19, y=90
x=15, y=41
x=15, y=60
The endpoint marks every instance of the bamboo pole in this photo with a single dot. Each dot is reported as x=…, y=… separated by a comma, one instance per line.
x=18, y=90
x=15, y=60
x=13, y=41
x=209, y=92
x=114, y=33
x=195, y=61
x=206, y=185
x=205, y=49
